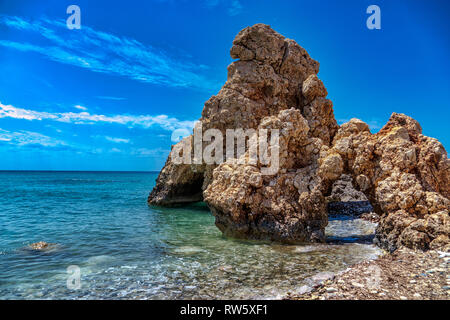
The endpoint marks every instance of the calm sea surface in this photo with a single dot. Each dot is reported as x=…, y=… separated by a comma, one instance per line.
x=125, y=249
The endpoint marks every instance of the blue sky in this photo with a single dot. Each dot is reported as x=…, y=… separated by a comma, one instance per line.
x=108, y=96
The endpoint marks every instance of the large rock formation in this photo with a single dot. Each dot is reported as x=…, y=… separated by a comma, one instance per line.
x=274, y=85
x=405, y=176
x=289, y=206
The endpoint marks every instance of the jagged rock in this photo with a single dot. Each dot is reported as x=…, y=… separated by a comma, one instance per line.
x=405, y=176
x=274, y=85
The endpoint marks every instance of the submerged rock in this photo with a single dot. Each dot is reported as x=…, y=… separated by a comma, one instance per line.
x=274, y=85
x=42, y=246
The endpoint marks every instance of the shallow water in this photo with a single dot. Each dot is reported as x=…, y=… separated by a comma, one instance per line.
x=127, y=250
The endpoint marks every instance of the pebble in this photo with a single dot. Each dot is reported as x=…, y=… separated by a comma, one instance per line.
x=225, y=268
x=446, y=287
x=304, y=289
x=331, y=290
x=322, y=277
x=417, y=295
x=412, y=281
x=358, y=285
x=190, y=288
x=403, y=298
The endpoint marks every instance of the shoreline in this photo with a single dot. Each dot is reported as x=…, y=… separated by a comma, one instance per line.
x=402, y=275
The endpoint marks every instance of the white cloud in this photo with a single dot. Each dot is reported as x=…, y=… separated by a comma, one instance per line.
x=106, y=53
x=235, y=8
x=23, y=138
x=111, y=98
x=156, y=153
x=145, y=121
x=342, y=121
x=117, y=140
x=80, y=107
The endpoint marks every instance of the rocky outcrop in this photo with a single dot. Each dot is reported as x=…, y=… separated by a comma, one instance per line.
x=274, y=86
x=405, y=176
x=178, y=183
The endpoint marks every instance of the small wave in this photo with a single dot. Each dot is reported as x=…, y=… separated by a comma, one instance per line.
x=99, y=259
x=128, y=267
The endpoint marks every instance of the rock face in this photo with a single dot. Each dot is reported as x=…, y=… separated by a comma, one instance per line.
x=274, y=85
x=288, y=206
x=405, y=176
x=178, y=183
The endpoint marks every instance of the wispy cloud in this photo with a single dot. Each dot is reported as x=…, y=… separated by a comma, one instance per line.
x=111, y=98
x=156, y=153
x=105, y=53
x=111, y=139
x=235, y=8
x=144, y=121
x=80, y=107
x=26, y=138
x=34, y=140
x=117, y=140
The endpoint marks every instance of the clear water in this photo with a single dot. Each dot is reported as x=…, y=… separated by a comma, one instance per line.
x=127, y=250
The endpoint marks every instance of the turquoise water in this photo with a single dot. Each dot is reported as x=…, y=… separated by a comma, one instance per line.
x=127, y=250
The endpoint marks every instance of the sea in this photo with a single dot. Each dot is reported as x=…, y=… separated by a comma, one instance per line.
x=107, y=243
